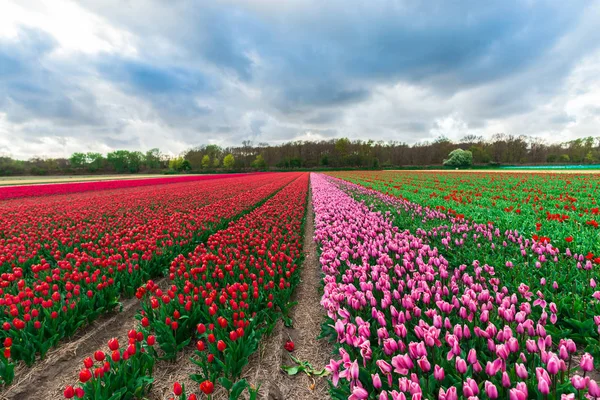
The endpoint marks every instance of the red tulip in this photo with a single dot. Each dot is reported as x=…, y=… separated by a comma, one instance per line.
x=85, y=375
x=177, y=389
x=99, y=356
x=289, y=346
x=69, y=392
x=113, y=344
x=207, y=387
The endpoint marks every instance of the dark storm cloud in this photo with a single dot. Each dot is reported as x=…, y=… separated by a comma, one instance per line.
x=29, y=90
x=235, y=70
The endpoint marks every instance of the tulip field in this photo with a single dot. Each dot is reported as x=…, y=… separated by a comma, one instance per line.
x=435, y=285
x=448, y=285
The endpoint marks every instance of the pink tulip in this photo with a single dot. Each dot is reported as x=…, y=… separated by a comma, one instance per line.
x=587, y=363
x=543, y=387
x=461, y=365
x=593, y=388
x=438, y=373
x=505, y=380
x=553, y=365
x=521, y=371
x=424, y=364
x=490, y=390
x=579, y=382
x=358, y=393
x=376, y=381
x=515, y=394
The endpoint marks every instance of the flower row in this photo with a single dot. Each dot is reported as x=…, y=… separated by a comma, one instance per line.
x=409, y=323
x=223, y=296
x=109, y=244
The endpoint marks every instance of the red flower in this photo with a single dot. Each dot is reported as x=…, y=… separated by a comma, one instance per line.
x=113, y=344
x=99, y=356
x=201, y=328
x=177, y=389
x=569, y=239
x=207, y=387
x=88, y=362
x=221, y=345
x=151, y=340
x=289, y=346
x=85, y=375
x=69, y=392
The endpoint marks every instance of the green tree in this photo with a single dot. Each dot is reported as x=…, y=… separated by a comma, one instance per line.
x=259, y=162
x=459, y=159
x=134, y=161
x=229, y=161
x=216, y=162
x=78, y=160
x=152, y=159
x=118, y=160
x=176, y=163
x=94, y=161
x=206, y=161
x=185, y=166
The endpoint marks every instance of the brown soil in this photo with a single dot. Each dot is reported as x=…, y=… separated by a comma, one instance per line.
x=307, y=317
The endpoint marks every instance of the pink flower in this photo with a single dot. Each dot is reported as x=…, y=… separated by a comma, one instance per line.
x=515, y=394
x=579, y=383
x=505, y=380
x=543, y=386
x=358, y=393
x=438, y=373
x=461, y=365
x=490, y=390
x=334, y=369
x=521, y=371
x=553, y=365
x=593, y=388
x=587, y=362
x=424, y=364
x=376, y=381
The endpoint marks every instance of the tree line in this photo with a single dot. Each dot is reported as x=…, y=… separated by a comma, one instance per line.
x=500, y=149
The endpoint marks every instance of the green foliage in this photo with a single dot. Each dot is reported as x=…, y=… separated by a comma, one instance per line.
x=229, y=161
x=78, y=160
x=179, y=164
x=459, y=158
x=259, y=162
x=206, y=161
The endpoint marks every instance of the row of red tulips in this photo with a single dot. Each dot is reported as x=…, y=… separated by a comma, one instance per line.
x=222, y=298
x=20, y=191
x=107, y=251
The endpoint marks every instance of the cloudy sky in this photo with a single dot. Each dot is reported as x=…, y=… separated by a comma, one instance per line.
x=135, y=74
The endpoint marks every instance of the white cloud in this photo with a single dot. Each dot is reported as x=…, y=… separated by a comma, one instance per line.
x=74, y=28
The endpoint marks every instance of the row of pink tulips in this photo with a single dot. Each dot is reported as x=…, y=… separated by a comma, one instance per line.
x=410, y=324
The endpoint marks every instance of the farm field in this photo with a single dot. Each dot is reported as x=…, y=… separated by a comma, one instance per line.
x=381, y=284
x=30, y=180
